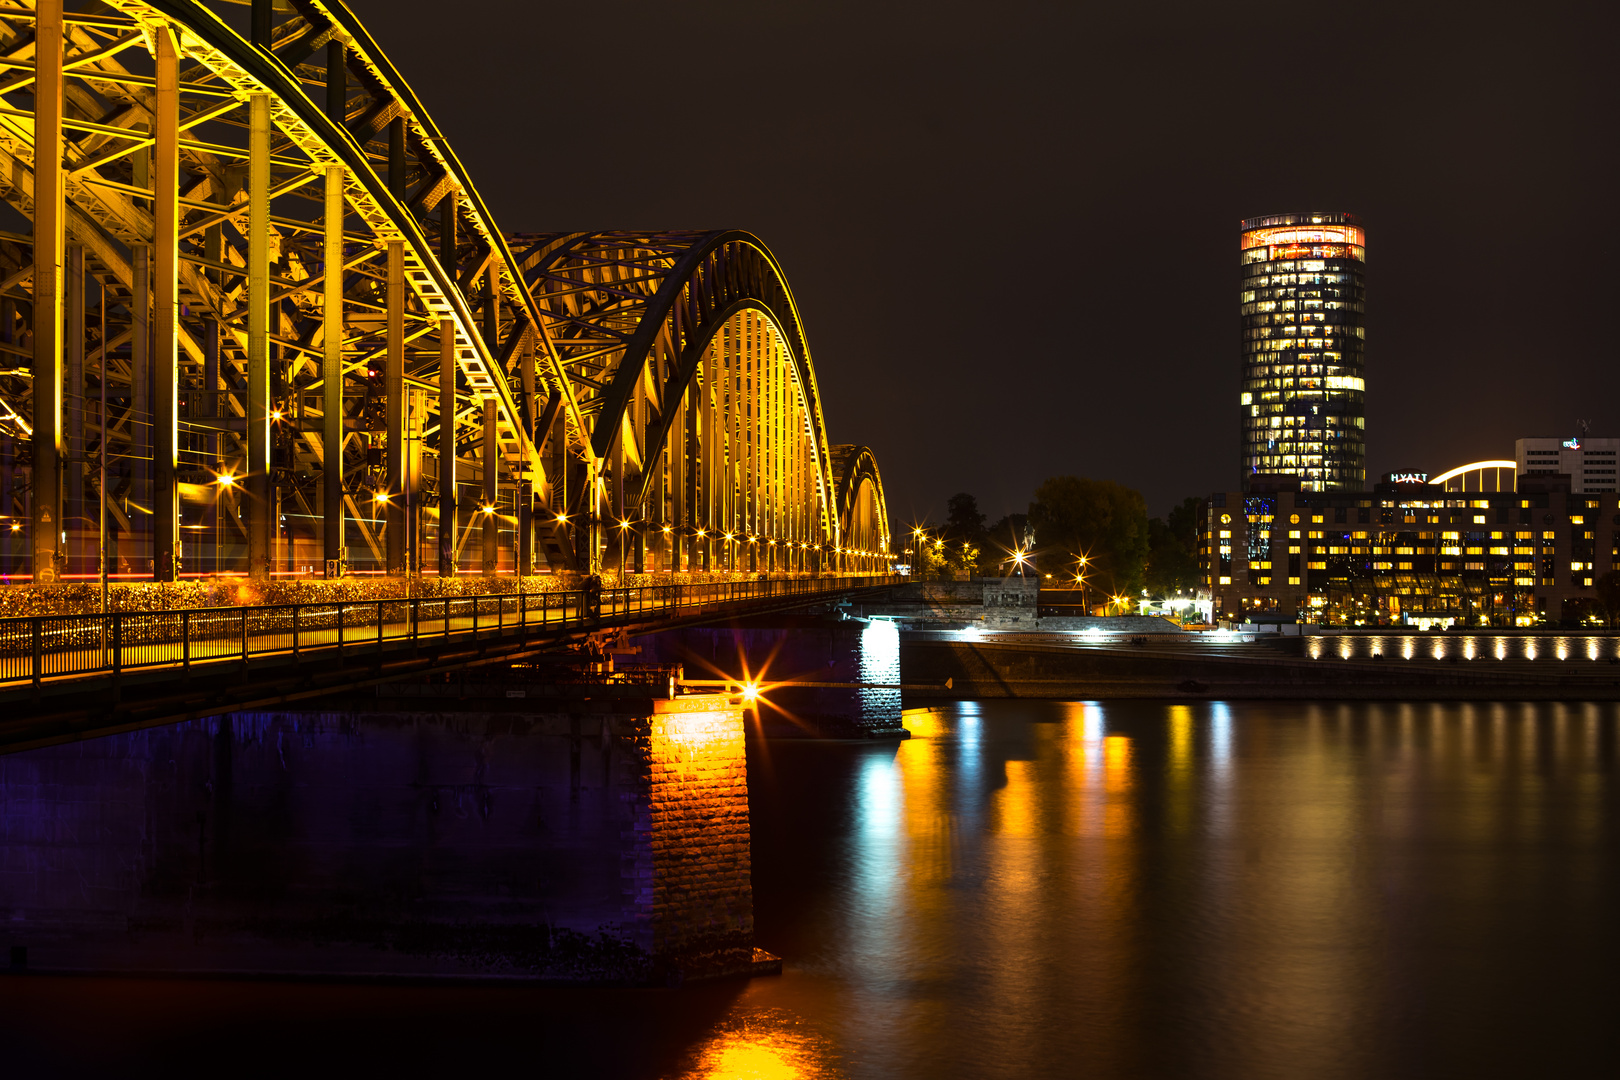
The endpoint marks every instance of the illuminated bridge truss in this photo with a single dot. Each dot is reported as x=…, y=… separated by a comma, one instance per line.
x=315, y=347
x=689, y=363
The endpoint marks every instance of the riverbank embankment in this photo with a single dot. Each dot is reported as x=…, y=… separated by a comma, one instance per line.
x=1037, y=666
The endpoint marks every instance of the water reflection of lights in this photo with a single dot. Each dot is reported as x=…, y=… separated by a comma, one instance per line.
x=1178, y=807
x=923, y=723
x=881, y=797
x=968, y=723
x=1091, y=721
x=1014, y=803
x=968, y=756
x=1181, y=731
x=773, y=1046
x=1220, y=735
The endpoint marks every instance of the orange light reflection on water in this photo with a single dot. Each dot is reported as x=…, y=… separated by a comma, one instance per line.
x=768, y=1052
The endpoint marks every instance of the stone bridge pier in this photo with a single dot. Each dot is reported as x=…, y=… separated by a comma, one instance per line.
x=772, y=649
x=503, y=825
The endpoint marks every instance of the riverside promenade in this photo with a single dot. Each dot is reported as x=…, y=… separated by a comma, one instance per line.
x=985, y=652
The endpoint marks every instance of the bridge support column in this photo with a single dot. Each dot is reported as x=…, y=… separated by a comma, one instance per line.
x=48, y=213
x=399, y=559
x=674, y=541
x=332, y=524
x=140, y=377
x=166, y=312
x=491, y=470
x=447, y=447
x=524, y=487
x=616, y=507
x=261, y=500
x=525, y=528
x=73, y=506
x=8, y=563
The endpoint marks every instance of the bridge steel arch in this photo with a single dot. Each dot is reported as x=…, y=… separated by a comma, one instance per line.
x=863, y=512
x=315, y=345
x=691, y=361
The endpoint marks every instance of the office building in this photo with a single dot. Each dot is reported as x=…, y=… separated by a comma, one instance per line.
x=1303, y=303
x=1589, y=463
x=1409, y=553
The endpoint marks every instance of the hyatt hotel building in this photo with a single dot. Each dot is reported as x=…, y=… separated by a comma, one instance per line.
x=1303, y=388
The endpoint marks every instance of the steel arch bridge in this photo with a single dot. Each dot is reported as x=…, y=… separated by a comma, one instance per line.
x=257, y=318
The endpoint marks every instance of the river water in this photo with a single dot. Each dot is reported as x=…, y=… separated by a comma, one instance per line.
x=1055, y=889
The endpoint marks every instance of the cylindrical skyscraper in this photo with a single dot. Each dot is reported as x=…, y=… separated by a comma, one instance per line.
x=1303, y=304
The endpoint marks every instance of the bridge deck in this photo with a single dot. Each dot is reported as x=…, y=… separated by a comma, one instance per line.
x=73, y=676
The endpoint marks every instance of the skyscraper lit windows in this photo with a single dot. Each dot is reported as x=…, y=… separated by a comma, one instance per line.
x=1303, y=393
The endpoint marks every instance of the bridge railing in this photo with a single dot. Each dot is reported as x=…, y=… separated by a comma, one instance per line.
x=36, y=648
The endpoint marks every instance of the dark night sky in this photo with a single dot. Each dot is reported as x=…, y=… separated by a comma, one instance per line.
x=1012, y=227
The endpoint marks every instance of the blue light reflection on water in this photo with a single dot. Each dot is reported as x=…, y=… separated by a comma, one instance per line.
x=1220, y=734
x=879, y=807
